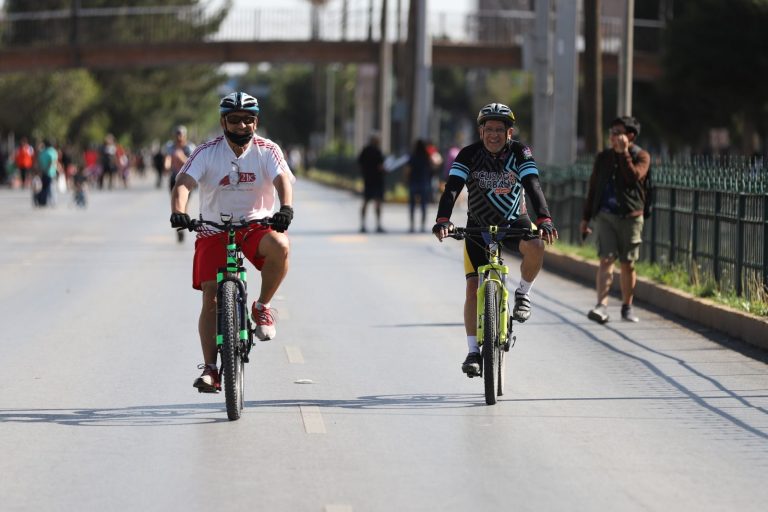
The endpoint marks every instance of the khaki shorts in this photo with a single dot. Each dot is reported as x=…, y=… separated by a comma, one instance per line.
x=619, y=237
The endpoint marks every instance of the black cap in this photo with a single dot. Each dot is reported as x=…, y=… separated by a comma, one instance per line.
x=630, y=123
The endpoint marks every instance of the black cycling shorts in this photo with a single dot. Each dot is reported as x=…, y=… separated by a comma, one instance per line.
x=475, y=248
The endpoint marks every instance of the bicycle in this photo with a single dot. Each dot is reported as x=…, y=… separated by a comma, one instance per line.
x=494, y=324
x=234, y=332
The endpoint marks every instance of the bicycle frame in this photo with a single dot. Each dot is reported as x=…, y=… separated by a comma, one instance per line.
x=495, y=270
x=235, y=271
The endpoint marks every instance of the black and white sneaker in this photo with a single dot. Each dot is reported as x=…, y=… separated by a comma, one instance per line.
x=471, y=365
x=522, y=309
x=599, y=314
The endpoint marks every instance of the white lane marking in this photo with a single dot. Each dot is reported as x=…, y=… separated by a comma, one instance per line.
x=294, y=355
x=337, y=508
x=313, y=420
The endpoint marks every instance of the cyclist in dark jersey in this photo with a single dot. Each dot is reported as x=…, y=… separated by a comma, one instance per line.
x=497, y=172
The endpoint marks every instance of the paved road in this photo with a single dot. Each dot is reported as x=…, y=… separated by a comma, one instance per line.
x=359, y=404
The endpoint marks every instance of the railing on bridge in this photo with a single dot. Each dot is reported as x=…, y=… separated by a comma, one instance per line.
x=160, y=24
x=710, y=217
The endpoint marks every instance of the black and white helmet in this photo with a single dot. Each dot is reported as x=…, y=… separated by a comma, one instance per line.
x=237, y=102
x=498, y=112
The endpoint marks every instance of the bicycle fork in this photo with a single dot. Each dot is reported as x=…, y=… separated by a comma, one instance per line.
x=235, y=272
x=497, y=273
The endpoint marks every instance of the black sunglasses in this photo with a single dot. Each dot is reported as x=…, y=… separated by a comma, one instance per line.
x=232, y=119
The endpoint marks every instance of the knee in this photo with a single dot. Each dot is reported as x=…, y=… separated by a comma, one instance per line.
x=278, y=248
x=532, y=248
x=209, y=295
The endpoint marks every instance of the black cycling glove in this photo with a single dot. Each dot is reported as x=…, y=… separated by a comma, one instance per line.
x=545, y=225
x=180, y=221
x=282, y=219
x=442, y=223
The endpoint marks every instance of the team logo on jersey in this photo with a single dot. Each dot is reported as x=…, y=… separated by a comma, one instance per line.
x=234, y=178
x=500, y=183
x=527, y=154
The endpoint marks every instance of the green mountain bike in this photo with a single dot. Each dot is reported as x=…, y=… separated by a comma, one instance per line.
x=234, y=332
x=494, y=324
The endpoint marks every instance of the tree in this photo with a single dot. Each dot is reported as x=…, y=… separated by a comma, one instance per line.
x=138, y=106
x=715, y=63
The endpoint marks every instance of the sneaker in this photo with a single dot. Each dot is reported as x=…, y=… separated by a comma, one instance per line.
x=471, y=365
x=522, y=309
x=380, y=230
x=627, y=314
x=209, y=381
x=599, y=314
x=265, y=322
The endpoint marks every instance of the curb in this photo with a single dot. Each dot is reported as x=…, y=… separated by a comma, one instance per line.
x=749, y=328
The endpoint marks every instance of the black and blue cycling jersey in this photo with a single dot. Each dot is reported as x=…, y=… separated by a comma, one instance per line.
x=496, y=184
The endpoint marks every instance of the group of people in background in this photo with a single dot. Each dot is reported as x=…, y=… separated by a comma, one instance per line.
x=423, y=167
x=49, y=170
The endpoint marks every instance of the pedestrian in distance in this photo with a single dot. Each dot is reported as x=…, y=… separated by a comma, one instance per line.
x=371, y=162
x=177, y=152
x=419, y=172
x=24, y=160
x=238, y=173
x=498, y=171
x=615, y=203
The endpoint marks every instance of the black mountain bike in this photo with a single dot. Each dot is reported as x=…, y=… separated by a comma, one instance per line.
x=234, y=332
x=494, y=324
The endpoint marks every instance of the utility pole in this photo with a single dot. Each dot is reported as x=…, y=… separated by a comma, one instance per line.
x=593, y=78
x=421, y=104
x=565, y=99
x=542, y=96
x=385, y=83
x=625, y=61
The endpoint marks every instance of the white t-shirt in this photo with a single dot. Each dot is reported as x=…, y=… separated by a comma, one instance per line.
x=241, y=186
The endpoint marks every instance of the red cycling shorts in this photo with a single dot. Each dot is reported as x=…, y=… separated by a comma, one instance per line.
x=211, y=252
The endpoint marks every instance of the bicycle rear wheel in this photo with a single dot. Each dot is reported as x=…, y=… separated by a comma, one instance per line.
x=491, y=352
x=232, y=364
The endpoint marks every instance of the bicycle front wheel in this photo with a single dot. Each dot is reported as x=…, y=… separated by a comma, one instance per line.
x=232, y=364
x=491, y=355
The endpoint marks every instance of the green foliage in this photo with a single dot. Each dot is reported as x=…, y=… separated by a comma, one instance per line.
x=45, y=105
x=137, y=105
x=288, y=112
x=714, y=59
x=678, y=277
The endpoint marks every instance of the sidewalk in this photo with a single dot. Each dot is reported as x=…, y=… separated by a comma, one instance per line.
x=749, y=328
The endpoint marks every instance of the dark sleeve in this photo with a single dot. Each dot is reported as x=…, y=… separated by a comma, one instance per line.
x=532, y=186
x=452, y=190
x=634, y=171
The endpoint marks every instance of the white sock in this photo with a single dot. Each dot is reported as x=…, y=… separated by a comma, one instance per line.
x=525, y=286
x=472, y=344
x=260, y=306
x=212, y=366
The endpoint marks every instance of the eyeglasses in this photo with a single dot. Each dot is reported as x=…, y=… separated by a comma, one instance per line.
x=618, y=131
x=495, y=131
x=234, y=174
x=240, y=119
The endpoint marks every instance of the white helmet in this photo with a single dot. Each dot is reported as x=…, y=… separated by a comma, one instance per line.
x=498, y=112
x=238, y=101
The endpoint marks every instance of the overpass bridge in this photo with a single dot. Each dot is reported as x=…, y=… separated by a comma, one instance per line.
x=131, y=37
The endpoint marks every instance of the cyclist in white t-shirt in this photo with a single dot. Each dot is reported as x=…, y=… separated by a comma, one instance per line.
x=238, y=173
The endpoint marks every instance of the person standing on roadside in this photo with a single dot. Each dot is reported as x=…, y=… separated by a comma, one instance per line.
x=371, y=161
x=48, y=164
x=24, y=160
x=614, y=204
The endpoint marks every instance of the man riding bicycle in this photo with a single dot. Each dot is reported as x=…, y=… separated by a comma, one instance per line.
x=238, y=173
x=497, y=171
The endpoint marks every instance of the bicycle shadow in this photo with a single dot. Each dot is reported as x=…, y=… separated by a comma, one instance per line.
x=214, y=412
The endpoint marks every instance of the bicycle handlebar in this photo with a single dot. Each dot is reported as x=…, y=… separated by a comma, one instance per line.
x=459, y=233
x=197, y=223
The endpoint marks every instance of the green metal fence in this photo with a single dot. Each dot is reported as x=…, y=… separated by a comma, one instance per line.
x=710, y=216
